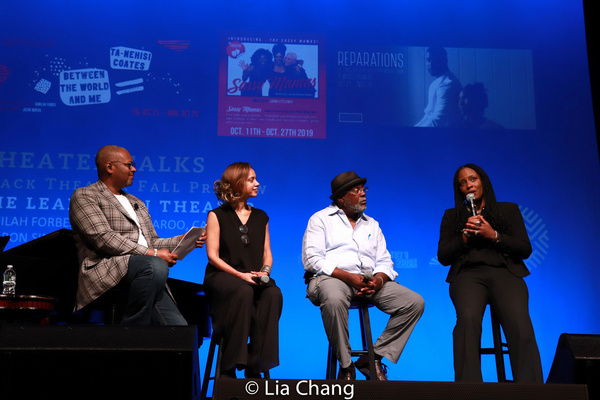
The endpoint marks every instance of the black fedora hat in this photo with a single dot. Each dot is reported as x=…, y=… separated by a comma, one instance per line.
x=344, y=182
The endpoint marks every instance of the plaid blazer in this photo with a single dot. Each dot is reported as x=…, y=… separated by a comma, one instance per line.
x=106, y=236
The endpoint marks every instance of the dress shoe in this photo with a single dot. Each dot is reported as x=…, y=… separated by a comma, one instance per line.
x=347, y=374
x=363, y=366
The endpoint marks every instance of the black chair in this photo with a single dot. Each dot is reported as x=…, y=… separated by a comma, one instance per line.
x=367, y=341
x=499, y=350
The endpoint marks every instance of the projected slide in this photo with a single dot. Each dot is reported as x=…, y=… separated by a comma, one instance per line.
x=151, y=79
x=272, y=85
x=444, y=87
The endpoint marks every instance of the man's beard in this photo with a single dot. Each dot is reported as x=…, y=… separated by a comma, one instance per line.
x=356, y=208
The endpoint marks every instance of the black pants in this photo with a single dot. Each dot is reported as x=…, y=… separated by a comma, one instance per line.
x=239, y=311
x=472, y=289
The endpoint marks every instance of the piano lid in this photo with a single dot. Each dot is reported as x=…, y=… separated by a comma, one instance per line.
x=3, y=241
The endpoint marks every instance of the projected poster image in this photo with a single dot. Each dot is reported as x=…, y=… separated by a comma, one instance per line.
x=272, y=85
x=436, y=87
x=151, y=79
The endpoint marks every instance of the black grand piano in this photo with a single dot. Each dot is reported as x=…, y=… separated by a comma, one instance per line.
x=48, y=267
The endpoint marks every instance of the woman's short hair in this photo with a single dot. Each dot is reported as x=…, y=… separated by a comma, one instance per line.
x=231, y=183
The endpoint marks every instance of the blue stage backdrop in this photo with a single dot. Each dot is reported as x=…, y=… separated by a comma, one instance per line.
x=165, y=80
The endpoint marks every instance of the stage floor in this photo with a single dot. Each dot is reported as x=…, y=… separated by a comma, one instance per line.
x=290, y=389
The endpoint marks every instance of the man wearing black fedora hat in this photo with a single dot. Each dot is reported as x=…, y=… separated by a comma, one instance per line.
x=345, y=256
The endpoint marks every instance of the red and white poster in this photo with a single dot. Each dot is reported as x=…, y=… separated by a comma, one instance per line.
x=272, y=85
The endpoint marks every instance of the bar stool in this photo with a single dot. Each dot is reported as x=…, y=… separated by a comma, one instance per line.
x=499, y=350
x=367, y=341
x=216, y=340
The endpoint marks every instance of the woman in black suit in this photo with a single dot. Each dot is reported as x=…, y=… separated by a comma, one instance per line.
x=485, y=243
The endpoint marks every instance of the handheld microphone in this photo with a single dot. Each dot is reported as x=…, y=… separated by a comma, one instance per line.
x=264, y=279
x=367, y=276
x=261, y=280
x=471, y=200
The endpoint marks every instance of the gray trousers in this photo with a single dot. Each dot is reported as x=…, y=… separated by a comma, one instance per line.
x=333, y=296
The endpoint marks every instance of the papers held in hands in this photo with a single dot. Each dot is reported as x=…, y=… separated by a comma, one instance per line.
x=188, y=243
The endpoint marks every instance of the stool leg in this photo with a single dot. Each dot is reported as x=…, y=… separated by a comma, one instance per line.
x=331, y=364
x=219, y=356
x=209, y=362
x=498, y=350
x=365, y=326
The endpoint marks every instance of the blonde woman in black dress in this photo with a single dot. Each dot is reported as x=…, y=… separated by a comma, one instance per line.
x=245, y=302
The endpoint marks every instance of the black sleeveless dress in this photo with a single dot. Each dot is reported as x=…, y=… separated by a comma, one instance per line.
x=240, y=310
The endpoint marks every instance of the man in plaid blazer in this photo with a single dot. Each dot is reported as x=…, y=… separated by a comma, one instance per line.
x=118, y=245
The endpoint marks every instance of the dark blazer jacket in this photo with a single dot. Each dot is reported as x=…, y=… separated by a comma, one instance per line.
x=106, y=237
x=510, y=251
